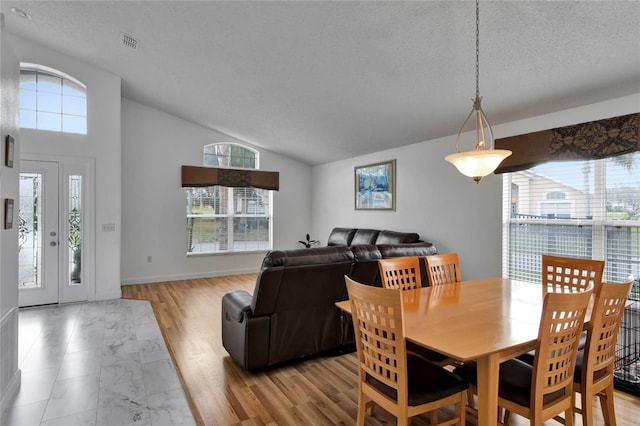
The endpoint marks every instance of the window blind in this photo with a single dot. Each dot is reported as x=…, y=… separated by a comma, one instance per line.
x=586, y=209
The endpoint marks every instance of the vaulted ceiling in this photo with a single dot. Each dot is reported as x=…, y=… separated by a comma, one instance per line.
x=321, y=81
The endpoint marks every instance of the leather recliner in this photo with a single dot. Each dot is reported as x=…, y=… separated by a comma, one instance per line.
x=292, y=314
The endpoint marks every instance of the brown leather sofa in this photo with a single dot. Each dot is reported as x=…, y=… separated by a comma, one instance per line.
x=292, y=314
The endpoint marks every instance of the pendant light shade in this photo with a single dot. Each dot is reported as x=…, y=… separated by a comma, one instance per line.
x=482, y=159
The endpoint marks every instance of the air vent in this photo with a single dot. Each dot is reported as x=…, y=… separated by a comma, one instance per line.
x=128, y=41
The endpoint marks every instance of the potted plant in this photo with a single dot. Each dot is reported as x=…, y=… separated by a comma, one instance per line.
x=309, y=242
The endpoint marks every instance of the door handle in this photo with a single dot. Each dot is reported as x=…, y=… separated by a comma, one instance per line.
x=53, y=243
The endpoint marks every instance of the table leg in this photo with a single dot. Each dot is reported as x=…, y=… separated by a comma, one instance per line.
x=488, y=376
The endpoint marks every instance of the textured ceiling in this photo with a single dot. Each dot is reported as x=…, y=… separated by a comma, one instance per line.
x=323, y=81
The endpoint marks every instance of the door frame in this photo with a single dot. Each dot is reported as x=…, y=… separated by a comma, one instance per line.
x=85, y=166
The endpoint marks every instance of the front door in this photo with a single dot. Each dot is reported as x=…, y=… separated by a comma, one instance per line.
x=39, y=242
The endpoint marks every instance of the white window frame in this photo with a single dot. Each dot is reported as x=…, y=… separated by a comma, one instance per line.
x=231, y=214
x=44, y=70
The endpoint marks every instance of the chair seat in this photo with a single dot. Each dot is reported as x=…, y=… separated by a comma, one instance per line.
x=515, y=381
x=432, y=356
x=427, y=382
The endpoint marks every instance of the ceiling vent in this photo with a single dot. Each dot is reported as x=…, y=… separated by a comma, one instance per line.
x=128, y=41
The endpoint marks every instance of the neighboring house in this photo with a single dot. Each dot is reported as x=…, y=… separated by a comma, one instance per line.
x=535, y=195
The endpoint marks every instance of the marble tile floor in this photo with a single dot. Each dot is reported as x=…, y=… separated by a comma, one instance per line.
x=95, y=364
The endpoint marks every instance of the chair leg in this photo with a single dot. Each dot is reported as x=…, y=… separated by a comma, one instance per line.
x=608, y=408
x=404, y=421
x=470, y=402
x=568, y=416
x=361, y=409
x=461, y=410
x=434, y=417
x=587, y=406
x=507, y=417
x=370, y=407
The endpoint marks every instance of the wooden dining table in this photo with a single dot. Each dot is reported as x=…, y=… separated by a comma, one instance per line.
x=487, y=321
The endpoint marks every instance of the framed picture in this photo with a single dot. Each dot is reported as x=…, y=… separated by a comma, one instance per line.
x=8, y=151
x=8, y=213
x=375, y=187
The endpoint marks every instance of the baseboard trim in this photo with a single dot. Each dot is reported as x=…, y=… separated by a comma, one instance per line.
x=9, y=394
x=180, y=277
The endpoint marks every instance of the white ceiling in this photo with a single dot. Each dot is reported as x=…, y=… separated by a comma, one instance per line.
x=323, y=81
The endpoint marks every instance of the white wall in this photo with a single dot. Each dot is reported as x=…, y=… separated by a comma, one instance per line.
x=432, y=199
x=101, y=144
x=9, y=104
x=154, y=147
x=436, y=201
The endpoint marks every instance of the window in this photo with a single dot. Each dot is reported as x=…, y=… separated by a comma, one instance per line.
x=225, y=220
x=51, y=100
x=588, y=209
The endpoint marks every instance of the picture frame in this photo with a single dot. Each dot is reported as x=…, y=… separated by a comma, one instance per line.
x=9, y=149
x=8, y=213
x=375, y=186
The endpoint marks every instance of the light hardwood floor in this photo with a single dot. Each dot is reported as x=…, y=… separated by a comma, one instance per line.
x=319, y=391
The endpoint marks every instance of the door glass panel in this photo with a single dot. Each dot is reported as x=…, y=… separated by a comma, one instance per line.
x=75, y=229
x=29, y=233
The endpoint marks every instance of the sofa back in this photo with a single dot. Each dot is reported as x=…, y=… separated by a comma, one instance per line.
x=365, y=268
x=359, y=236
x=298, y=289
x=291, y=278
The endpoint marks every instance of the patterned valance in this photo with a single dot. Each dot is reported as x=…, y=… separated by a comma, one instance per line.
x=585, y=141
x=197, y=176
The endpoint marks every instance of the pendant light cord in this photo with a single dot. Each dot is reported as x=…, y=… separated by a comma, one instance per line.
x=477, y=100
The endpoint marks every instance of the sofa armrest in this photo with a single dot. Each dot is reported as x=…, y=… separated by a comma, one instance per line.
x=236, y=304
x=244, y=336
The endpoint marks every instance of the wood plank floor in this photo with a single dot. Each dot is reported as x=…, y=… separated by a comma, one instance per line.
x=320, y=391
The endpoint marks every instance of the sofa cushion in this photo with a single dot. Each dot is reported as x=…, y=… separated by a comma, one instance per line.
x=365, y=236
x=400, y=250
x=365, y=252
x=393, y=237
x=341, y=236
x=307, y=256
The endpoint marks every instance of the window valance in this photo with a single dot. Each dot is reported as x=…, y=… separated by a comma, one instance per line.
x=198, y=176
x=585, y=141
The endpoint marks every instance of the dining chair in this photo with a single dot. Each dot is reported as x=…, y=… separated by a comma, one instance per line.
x=545, y=389
x=403, y=384
x=443, y=268
x=594, y=366
x=403, y=273
x=400, y=273
x=568, y=275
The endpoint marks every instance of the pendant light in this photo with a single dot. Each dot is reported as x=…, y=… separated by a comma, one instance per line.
x=483, y=159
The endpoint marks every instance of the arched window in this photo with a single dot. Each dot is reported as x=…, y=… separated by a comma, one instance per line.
x=223, y=219
x=52, y=100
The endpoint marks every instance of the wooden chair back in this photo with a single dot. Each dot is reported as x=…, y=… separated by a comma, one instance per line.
x=598, y=361
x=602, y=331
x=557, y=346
x=443, y=268
x=570, y=275
x=377, y=313
x=400, y=273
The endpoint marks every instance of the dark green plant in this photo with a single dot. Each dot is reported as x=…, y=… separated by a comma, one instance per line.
x=309, y=242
